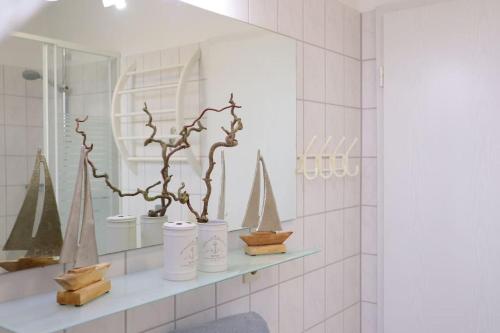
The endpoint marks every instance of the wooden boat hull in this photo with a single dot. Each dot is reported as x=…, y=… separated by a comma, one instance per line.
x=29, y=262
x=78, y=278
x=260, y=238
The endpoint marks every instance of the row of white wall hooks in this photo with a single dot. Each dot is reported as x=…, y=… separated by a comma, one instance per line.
x=327, y=165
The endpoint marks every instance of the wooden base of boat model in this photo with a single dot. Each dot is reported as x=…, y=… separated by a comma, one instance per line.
x=84, y=295
x=28, y=262
x=259, y=238
x=265, y=249
x=265, y=242
x=83, y=284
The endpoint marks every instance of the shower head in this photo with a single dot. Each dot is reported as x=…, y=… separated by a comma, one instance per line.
x=31, y=75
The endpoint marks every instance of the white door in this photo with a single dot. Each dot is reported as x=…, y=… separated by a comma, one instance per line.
x=441, y=176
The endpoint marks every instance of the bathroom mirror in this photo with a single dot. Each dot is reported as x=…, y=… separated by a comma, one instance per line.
x=76, y=58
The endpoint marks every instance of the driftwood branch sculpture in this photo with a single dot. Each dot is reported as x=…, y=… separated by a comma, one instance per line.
x=168, y=149
x=229, y=141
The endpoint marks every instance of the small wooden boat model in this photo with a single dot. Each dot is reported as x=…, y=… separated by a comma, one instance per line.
x=78, y=278
x=266, y=239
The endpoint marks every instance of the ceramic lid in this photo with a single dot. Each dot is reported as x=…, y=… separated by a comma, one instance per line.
x=121, y=218
x=179, y=225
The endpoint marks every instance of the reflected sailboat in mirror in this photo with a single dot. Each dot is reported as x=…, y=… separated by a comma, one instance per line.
x=45, y=247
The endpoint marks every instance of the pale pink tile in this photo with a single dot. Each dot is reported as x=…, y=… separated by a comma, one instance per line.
x=300, y=69
x=352, y=82
x=266, y=303
x=334, y=78
x=368, y=317
x=150, y=315
x=369, y=230
x=352, y=184
x=369, y=174
x=267, y=277
x=352, y=32
x=369, y=135
x=369, y=82
x=320, y=328
x=314, y=22
x=335, y=324
x=334, y=236
x=112, y=323
x=194, y=301
x=314, y=298
x=291, y=305
x=334, y=26
x=290, y=18
x=352, y=231
x=369, y=278
x=334, y=288
x=352, y=319
x=352, y=280
x=195, y=320
x=241, y=305
x=368, y=35
x=231, y=289
x=264, y=13
x=314, y=73
x=314, y=238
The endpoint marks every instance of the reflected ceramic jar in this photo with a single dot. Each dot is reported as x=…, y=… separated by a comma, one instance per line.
x=121, y=233
x=180, y=252
x=151, y=229
x=212, y=246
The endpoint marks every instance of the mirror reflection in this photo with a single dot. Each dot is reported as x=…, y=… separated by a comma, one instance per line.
x=76, y=59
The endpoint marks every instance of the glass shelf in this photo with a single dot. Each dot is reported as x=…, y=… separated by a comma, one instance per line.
x=41, y=313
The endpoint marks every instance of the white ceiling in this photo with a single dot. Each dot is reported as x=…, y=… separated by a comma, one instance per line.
x=168, y=23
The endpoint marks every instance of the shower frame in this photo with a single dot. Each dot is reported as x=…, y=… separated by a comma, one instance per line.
x=50, y=48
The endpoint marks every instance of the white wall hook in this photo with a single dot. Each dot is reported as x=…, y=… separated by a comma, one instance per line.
x=324, y=173
x=333, y=160
x=346, y=161
x=309, y=174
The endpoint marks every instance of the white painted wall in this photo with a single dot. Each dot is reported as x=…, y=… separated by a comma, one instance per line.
x=441, y=160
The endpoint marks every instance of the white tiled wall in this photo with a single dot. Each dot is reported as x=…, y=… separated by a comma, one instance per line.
x=321, y=293
x=369, y=177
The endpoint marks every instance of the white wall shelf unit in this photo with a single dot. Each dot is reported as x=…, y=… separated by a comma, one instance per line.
x=176, y=114
x=41, y=313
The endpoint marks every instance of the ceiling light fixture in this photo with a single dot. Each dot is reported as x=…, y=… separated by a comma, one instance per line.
x=108, y=3
x=119, y=4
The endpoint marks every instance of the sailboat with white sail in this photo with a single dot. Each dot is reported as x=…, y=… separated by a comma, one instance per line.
x=266, y=238
x=80, y=245
x=45, y=247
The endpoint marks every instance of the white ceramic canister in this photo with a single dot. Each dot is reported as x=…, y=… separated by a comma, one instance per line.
x=180, y=253
x=151, y=227
x=212, y=246
x=121, y=233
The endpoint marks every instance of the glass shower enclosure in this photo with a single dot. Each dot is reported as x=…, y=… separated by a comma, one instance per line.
x=73, y=82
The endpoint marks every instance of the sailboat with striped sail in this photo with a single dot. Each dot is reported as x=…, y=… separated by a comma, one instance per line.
x=45, y=247
x=266, y=238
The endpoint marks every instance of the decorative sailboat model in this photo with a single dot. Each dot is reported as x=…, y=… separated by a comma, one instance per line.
x=45, y=247
x=87, y=280
x=266, y=239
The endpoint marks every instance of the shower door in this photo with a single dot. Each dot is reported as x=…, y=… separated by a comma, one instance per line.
x=83, y=88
